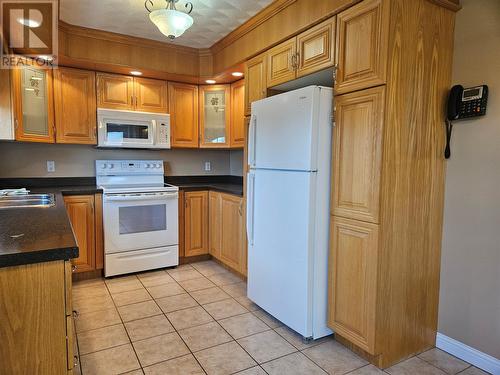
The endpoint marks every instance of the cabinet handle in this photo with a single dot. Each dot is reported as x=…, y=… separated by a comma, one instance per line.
x=76, y=360
x=73, y=268
x=335, y=69
x=76, y=314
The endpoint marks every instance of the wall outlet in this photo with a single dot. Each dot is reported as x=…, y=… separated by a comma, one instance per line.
x=51, y=166
x=208, y=166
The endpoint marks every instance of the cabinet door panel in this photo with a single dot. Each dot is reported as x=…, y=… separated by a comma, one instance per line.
x=75, y=106
x=215, y=116
x=196, y=223
x=33, y=104
x=362, y=33
x=214, y=224
x=255, y=81
x=80, y=210
x=316, y=48
x=357, y=154
x=115, y=91
x=232, y=227
x=237, y=132
x=183, y=104
x=353, y=281
x=150, y=95
x=280, y=66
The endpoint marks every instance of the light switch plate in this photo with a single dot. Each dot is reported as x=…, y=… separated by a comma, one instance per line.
x=51, y=166
x=208, y=166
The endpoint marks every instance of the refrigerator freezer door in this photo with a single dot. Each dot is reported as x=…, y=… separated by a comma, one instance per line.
x=280, y=259
x=283, y=131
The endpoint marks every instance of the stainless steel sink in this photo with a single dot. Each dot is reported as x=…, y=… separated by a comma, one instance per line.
x=28, y=200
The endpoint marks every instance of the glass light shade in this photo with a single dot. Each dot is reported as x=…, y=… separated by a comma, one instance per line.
x=171, y=23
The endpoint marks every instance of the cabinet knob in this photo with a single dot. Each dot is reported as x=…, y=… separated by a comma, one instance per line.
x=73, y=268
x=76, y=313
x=76, y=360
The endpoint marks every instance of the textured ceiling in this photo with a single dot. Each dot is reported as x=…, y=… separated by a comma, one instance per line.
x=213, y=19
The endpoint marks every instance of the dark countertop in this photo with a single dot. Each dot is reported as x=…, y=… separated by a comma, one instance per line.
x=46, y=233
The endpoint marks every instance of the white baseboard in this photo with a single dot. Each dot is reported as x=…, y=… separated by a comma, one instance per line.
x=479, y=359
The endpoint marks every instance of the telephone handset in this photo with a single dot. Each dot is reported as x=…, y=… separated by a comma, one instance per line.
x=464, y=103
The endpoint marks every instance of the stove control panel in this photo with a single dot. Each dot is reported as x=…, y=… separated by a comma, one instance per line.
x=129, y=167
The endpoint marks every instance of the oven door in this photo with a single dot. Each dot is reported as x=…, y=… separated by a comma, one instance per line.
x=129, y=133
x=135, y=221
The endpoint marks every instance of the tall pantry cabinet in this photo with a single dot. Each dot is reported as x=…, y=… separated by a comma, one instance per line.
x=394, y=62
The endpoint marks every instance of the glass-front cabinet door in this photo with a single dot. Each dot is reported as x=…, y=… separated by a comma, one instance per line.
x=33, y=104
x=215, y=116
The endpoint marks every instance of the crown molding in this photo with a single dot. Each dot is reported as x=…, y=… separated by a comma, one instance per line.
x=268, y=12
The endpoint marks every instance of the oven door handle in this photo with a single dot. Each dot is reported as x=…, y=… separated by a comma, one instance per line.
x=139, y=197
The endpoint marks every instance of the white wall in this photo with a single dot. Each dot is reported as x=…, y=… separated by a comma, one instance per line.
x=30, y=160
x=469, y=308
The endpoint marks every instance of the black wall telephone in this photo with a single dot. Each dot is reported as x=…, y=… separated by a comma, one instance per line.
x=464, y=104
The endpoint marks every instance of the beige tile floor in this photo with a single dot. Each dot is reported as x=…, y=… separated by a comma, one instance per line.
x=196, y=319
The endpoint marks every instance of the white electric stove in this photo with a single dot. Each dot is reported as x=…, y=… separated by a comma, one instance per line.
x=140, y=214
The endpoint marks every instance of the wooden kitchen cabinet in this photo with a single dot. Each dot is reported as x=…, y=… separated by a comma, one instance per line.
x=362, y=40
x=75, y=106
x=237, y=131
x=215, y=116
x=352, y=284
x=214, y=223
x=80, y=210
x=184, y=121
x=150, y=95
x=182, y=205
x=37, y=338
x=316, y=48
x=115, y=91
x=255, y=81
x=359, y=126
x=281, y=63
x=196, y=223
x=231, y=251
x=33, y=106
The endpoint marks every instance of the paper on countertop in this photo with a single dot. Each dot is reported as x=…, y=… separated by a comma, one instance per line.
x=22, y=191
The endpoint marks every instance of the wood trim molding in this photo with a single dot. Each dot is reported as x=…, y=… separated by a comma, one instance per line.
x=453, y=5
x=265, y=14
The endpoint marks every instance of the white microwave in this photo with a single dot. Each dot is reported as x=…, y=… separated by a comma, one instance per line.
x=129, y=129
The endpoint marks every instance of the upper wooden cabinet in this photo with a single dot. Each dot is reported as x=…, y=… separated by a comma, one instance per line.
x=237, y=131
x=150, y=95
x=281, y=64
x=75, y=106
x=315, y=48
x=196, y=223
x=352, y=284
x=116, y=91
x=183, y=104
x=33, y=106
x=214, y=223
x=215, y=116
x=255, y=81
x=80, y=210
x=357, y=154
x=362, y=39
x=309, y=52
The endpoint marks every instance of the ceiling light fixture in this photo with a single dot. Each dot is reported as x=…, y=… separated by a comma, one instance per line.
x=136, y=73
x=210, y=81
x=237, y=74
x=170, y=21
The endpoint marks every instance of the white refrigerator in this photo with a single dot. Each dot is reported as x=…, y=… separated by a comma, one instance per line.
x=289, y=153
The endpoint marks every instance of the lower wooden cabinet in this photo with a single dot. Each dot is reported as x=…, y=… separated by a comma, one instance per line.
x=85, y=215
x=196, y=223
x=36, y=330
x=353, y=281
x=214, y=220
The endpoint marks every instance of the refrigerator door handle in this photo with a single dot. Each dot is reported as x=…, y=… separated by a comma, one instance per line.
x=250, y=207
x=251, y=140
